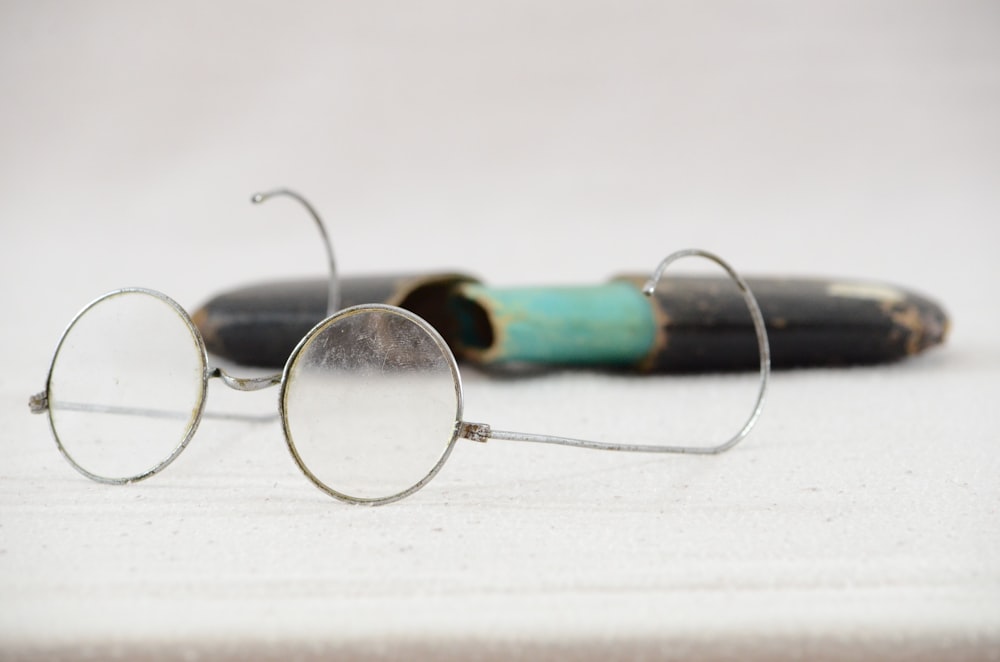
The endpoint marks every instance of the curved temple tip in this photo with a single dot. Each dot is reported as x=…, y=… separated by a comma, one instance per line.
x=333, y=298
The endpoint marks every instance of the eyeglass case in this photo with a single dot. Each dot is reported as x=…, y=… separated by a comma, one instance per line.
x=690, y=324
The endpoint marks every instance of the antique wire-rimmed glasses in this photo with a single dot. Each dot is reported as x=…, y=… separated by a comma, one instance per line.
x=370, y=400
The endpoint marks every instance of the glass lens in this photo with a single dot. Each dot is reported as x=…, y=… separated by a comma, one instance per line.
x=126, y=385
x=371, y=403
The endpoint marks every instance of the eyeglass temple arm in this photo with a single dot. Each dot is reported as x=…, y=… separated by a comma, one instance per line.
x=333, y=293
x=39, y=402
x=481, y=432
x=333, y=288
x=150, y=412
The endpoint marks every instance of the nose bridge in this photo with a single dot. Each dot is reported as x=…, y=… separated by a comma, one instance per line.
x=245, y=383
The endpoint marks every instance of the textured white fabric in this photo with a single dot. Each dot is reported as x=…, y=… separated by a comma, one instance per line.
x=524, y=143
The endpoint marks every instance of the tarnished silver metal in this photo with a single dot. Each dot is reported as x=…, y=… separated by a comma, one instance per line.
x=54, y=405
x=39, y=403
x=245, y=383
x=370, y=400
x=479, y=432
x=333, y=288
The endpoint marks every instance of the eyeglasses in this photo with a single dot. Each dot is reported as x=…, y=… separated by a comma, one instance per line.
x=370, y=400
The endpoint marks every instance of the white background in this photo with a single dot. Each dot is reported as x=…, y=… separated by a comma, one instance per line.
x=526, y=143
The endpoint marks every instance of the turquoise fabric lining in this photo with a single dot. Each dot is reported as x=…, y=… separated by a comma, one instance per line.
x=611, y=323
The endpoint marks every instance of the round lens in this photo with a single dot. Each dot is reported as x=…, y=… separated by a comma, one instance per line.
x=126, y=386
x=371, y=402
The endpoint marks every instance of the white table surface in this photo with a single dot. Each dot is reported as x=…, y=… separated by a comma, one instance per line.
x=523, y=142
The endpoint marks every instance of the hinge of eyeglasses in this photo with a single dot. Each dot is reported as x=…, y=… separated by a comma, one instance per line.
x=39, y=403
x=479, y=432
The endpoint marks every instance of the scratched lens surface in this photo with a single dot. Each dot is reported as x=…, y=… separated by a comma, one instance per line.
x=126, y=385
x=371, y=402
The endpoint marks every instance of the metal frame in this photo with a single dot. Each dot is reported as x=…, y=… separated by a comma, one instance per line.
x=199, y=409
x=479, y=432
